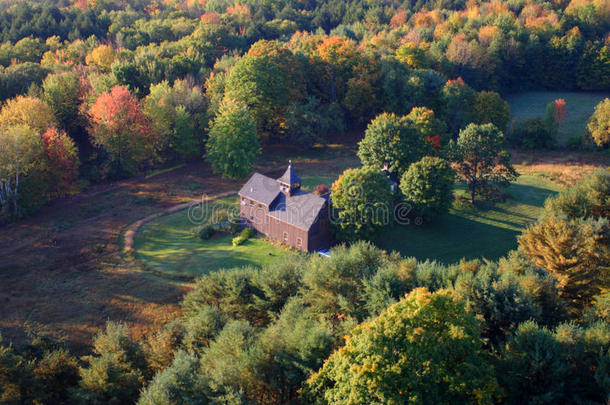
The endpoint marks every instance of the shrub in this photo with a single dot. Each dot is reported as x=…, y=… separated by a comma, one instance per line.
x=206, y=231
x=244, y=235
x=533, y=133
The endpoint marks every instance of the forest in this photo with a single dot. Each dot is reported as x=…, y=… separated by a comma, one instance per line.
x=97, y=94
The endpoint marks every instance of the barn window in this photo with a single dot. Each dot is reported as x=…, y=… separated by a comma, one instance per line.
x=260, y=206
x=299, y=242
x=286, y=236
x=251, y=202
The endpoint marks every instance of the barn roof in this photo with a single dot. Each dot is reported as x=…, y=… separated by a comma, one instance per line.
x=301, y=209
x=289, y=177
x=261, y=188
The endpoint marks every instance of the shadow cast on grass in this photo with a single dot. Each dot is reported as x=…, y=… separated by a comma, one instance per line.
x=449, y=239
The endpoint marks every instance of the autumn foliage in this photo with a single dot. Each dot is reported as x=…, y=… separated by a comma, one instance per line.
x=559, y=110
x=61, y=161
x=119, y=127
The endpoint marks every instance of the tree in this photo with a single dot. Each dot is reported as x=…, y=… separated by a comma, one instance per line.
x=428, y=186
x=177, y=115
x=587, y=199
x=117, y=370
x=575, y=252
x=458, y=99
x=20, y=148
x=61, y=161
x=102, y=57
x=180, y=383
x=533, y=133
x=393, y=140
x=498, y=301
x=119, y=127
x=413, y=56
x=481, y=161
x=363, y=203
x=233, y=145
x=599, y=124
x=30, y=111
x=62, y=92
x=424, y=349
x=567, y=365
x=430, y=128
x=266, y=80
x=532, y=366
x=489, y=108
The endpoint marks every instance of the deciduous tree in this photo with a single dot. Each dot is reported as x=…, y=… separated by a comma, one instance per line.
x=481, y=161
x=428, y=186
x=61, y=161
x=489, y=108
x=30, y=111
x=120, y=128
x=20, y=149
x=363, y=203
x=425, y=348
x=393, y=140
x=233, y=145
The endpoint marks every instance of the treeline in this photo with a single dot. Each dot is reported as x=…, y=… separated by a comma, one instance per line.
x=365, y=326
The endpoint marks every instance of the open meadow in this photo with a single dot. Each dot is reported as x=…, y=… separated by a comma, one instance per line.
x=579, y=107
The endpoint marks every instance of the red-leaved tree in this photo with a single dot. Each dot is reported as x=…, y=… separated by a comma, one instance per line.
x=118, y=126
x=559, y=110
x=60, y=161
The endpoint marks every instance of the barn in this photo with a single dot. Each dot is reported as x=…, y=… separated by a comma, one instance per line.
x=280, y=210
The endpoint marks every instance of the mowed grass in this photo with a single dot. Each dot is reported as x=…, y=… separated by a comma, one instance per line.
x=167, y=246
x=469, y=232
x=579, y=108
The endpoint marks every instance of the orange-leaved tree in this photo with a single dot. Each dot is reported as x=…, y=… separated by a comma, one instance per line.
x=120, y=128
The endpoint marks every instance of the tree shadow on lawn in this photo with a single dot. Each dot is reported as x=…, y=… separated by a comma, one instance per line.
x=449, y=239
x=487, y=230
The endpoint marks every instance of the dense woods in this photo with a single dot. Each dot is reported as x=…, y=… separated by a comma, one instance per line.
x=364, y=326
x=306, y=71
x=94, y=91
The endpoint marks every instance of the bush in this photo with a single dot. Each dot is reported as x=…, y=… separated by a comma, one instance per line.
x=533, y=133
x=205, y=231
x=245, y=234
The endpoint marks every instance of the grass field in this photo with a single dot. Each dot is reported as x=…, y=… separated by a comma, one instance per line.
x=166, y=245
x=579, y=107
x=473, y=233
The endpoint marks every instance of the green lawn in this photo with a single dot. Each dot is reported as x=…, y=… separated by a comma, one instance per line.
x=473, y=233
x=166, y=245
x=579, y=107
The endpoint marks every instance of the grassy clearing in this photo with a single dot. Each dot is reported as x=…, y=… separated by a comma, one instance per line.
x=167, y=246
x=473, y=232
x=579, y=107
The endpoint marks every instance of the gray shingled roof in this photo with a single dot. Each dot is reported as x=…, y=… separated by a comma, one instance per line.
x=260, y=188
x=290, y=177
x=301, y=209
